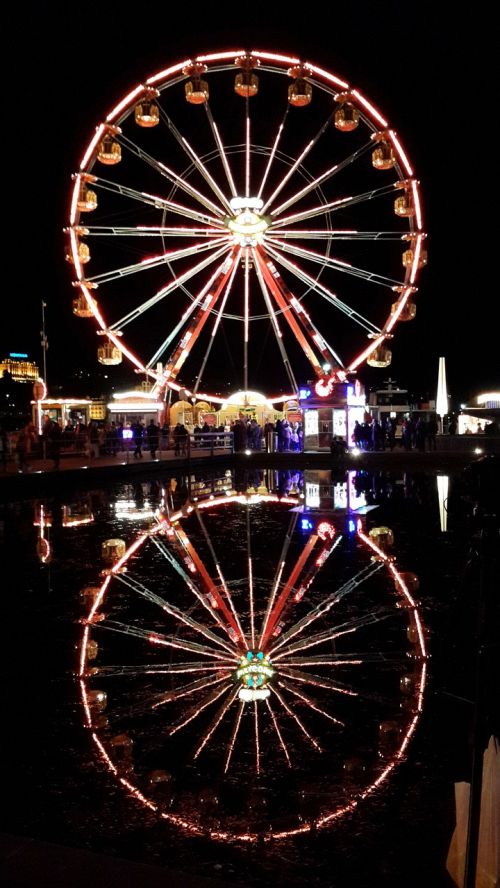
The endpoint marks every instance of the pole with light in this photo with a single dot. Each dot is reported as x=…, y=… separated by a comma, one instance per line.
x=442, y=394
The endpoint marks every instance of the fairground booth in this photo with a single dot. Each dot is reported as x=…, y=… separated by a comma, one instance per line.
x=330, y=411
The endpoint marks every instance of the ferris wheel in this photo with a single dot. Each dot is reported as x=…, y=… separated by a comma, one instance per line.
x=239, y=701
x=243, y=210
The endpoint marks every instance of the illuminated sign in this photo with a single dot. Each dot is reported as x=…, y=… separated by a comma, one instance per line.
x=312, y=495
x=304, y=394
x=311, y=423
x=17, y=355
x=305, y=524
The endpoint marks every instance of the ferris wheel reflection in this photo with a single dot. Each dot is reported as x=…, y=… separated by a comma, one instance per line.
x=250, y=642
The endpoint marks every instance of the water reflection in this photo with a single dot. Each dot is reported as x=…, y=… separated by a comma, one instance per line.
x=253, y=661
x=443, y=482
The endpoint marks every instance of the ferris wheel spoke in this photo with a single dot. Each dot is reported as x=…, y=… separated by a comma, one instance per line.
x=336, y=632
x=200, y=166
x=279, y=571
x=160, y=203
x=234, y=734
x=247, y=148
x=337, y=264
x=275, y=325
x=324, y=606
x=287, y=313
x=257, y=736
x=333, y=234
x=310, y=145
x=167, y=289
x=246, y=325
x=181, y=352
x=197, y=710
x=163, y=640
x=293, y=581
x=172, y=177
x=323, y=291
x=324, y=177
x=317, y=680
x=278, y=733
x=173, y=611
x=296, y=719
x=305, y=698
x=216, y=722
x=220, y=147
x=187, y=550
x=191, y=308
x=155, y=261
x=149, y=231
x=199, y=685
x=157, y=669
x=351, y=659
x=221, y=577
x=334, y=205
x=213, y=592
x=216, y=325
x=296, y=316
x=288, y=587
x=273, y=151
x=250, y=580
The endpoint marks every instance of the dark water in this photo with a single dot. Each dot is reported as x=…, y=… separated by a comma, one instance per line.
x=397, y=826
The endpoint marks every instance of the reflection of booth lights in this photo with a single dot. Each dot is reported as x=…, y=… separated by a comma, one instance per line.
x=326, y=530
x=312, y=495
x=75, y=516
x=127, y=509
x=442, y=490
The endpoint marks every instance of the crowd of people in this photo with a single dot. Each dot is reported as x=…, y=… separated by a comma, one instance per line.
x=283, y=436
x=416, y=434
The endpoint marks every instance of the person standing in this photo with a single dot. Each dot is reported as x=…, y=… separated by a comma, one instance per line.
x=152, y=433
x=137, y=438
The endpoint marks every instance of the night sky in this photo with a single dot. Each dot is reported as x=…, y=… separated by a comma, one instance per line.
x=422, y=65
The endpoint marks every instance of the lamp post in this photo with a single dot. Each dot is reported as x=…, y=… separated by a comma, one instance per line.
x=45, y=343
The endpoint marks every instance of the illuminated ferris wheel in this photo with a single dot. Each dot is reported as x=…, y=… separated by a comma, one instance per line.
x=237, y=702
x=245, y=210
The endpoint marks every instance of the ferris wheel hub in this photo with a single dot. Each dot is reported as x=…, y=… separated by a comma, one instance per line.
x=247, y=225
x=254, y=672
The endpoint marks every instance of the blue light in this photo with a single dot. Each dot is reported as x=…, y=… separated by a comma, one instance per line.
x=305, y=524
x=260, y=655
x=249, y=655
x=17, y=355
x=352, y=526
x=304, y=394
